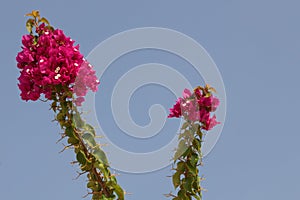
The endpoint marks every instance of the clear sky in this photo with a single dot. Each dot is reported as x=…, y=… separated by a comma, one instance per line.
x=256, y=47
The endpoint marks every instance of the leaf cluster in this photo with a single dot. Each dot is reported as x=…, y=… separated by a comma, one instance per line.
x=187, y=159
x=34, y=21
x=102, y=184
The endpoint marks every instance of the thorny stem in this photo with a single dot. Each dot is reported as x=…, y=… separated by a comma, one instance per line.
x=63, y=105
x=94, y=170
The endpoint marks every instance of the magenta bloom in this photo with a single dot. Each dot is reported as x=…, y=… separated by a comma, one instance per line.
x=52, y=60
x=176, y=110
x=79, y=101
x=210, y=102
x=196, y=107
x=210, y=123
x=186, y=93
x=85, y=80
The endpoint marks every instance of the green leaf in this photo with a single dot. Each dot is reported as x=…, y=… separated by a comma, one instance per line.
x=196, y=197
x=180, y=167
x=35, y=41
x=89, y=139
x=87, y=166
x=44, y=20
x=176, y=179
x=29, y=25
x=194, y=160
x=70, y=132
x=188, y=151
x=185, y=125
x=192, y=170
x=36, y=13
x=78, y=122
x=188, y=182
x=97, y=196
x=196, y=185
x=197, y=144
x=200, y=134
x=73, y=141
x=103, y=169
x=186, y=134
x=60, y=116
x=119, y=191
x=113, y=179
x=182, y=195
x=91, y=184
x=29, y=14
x=81, y=158
x=196, y=127
x=52, y=29
x=117, y=188
x=100, y=156
x=94, y=186
x=88, y=128
x=182, y=147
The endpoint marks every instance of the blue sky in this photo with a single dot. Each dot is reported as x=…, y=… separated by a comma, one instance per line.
x=255, y=45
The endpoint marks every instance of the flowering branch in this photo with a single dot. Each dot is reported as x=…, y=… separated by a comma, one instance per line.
x=50, y=64
x=195, y=109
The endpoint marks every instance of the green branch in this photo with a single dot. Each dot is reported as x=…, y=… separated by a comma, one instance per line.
x=90, y=157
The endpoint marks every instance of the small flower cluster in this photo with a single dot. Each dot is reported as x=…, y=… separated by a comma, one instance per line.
x=86, y=79
x=50, y=59
x=197, y=106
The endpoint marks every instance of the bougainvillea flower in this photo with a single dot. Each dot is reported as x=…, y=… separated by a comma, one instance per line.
x=176, y=110
x=186, y=93
x=210, y=123
x=52, y=59
x=196, y=106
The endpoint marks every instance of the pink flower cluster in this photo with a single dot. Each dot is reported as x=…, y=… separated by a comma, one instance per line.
x=196, y=107
x=50, y=59
x=86, y=79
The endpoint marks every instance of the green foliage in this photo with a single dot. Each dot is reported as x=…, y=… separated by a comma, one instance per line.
x=181, y=167
x=89, y=129
x=187, y=159
x=44, y=20
x=81, y=157
x=90, y=157
x=70, y=132
x=100, y=156
x=89, y=139
x=119, y=191
x=73, y=141
x=197, y=144
x=176, y=179
x=29, y=25
x=35, y=20
x=182, y=148
x=182, y=195
x=78, y=122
